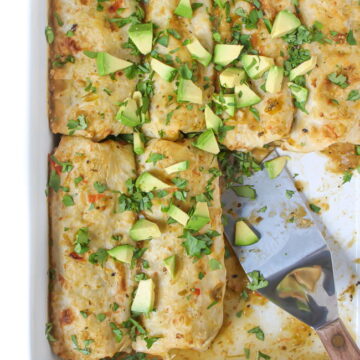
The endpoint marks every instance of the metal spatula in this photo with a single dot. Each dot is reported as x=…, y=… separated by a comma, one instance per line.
x=292, y=255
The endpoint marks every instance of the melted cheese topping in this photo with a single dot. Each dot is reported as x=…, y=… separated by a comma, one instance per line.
x=77, y=284
x=167, y=115
x=71, y=85
x=184, y=317
x=329, y=121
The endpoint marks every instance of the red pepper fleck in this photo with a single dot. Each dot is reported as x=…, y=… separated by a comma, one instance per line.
x=55, y=166
x=75, y=256
x=116, y=6
x=95, y=197
x=197, y=291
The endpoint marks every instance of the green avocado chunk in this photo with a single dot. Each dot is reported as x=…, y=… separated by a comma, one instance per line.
x=231, y=77
x=128, y=113
x=224, y=54
x=285, y=22
x=300, y=93
x=255, y=65
x=198, y=52
x=184, y=9
x=147, y=182
x=275, y=166
x=245, y=96
x=142, y=36
x=166, y=72
x=244, y=235
x=139, y=147
x=145, y=297
x=200, y=217
x=207, y=142
x=170, y=263
x=177, y=214
x=180, y=166
x=123, y=253
x=144, y=230
x=108, y=64
x=212, y=120
x=303, y=68
x=274, y=79
x=226, y=100
x=188, y=91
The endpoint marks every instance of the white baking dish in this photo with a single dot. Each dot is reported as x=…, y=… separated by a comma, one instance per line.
x=341, y=223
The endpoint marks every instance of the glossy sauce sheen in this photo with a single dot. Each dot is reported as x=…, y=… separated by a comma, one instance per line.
x=77, y=284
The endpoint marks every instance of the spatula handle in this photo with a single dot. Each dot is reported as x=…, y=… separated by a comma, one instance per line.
x=338, y=342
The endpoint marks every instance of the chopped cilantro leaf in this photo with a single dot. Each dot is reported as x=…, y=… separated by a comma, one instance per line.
x=99, y=187
x=101, y=317
x=150, y=341
x=258, y=332
x=54, y=181
x=354, y=95
x=263, y=356
x=82, y=241
x=49, y=33
x=347, y=176
x=199, y=245
x=257, y=281
x=314, y=208
x=155, y=157
x=338, y=79
x=350, y=38
x=289, y=193
x=215, y=264
x=79, y=124
x=117, y=332
x=99, y=257
x=68, y=200
x=48, y=330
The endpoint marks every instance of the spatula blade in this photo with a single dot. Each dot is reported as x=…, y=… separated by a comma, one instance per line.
x=291, y=253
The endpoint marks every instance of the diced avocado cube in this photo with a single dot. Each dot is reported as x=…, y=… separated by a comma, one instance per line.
x=303, y=68
x=274, y=79
x=188, y=91
x=184, y=9
x=142, y=37
x=147, y=182
x=177, y=214
x=227, y=100
x=166, y=72
x=108, y=64
x=198, y=52
x=139, y=147
x=255, y=65
x=180, y=166
x=200, y=218
x=244, y=235
x=145, y=297
x=137, y=96
x=285, y=22
x=123, y=253
x=275, y=166
x=170, y=263
x=207, y=142
x=202, y=209
x=224, y=54
x=245, y=96
x=300, y=93
x=231, y=77
x=144, y=230
x=212, y=120
x=128, y=113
